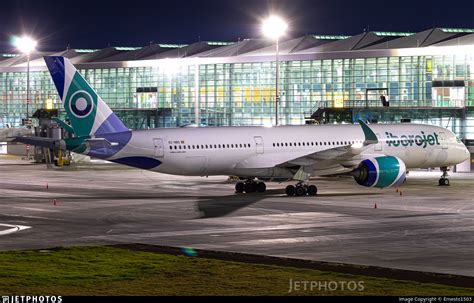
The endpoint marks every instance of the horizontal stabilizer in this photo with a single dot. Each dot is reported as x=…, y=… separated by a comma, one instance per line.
x=63, y=124
x=101, y=143
x=38, y=141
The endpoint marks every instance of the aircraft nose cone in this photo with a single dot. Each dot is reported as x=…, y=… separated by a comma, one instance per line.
x=467, y=154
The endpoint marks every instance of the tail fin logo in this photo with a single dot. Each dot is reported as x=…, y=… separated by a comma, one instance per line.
x=81, y=104
x=88, y=113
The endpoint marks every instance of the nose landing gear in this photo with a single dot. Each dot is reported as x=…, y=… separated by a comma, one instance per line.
x=444, y=181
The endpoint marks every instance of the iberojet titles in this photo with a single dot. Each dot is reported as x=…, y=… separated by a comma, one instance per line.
x=422, y=140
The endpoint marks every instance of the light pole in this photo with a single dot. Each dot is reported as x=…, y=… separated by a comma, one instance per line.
x=274, y=27
x=26, y=45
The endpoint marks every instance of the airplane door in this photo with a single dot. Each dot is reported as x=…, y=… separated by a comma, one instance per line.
x=444, y=141
x=159, y=147
x=259, y=144
x=378, y=146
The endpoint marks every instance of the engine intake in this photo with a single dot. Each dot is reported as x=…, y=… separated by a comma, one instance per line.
x=381, y=172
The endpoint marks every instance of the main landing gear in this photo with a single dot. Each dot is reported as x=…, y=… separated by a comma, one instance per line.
x=250, y=186
x=444, y=181
x=301, y=189
x=256, y=186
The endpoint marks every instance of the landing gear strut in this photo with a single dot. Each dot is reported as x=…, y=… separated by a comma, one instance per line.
x=301, y=189
x=444, y=181
x=250, y=186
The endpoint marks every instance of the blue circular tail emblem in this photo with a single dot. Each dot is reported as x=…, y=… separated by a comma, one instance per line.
x=81, y=104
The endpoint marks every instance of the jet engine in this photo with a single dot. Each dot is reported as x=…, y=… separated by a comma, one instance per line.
x=381, y=172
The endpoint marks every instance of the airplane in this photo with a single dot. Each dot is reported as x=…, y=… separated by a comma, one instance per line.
x=376, y=156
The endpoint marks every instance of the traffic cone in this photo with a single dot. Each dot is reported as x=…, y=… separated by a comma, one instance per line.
x=47, y=186
x=54, y=201
x=375, y=205
x=401, y=193
x=397, y=190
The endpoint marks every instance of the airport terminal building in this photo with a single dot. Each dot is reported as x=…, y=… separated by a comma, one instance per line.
x=377, y=76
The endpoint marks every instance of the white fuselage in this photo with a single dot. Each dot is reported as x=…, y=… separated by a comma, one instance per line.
x=261, y=151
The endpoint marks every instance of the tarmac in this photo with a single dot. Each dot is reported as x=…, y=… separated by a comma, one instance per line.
x=424, y=228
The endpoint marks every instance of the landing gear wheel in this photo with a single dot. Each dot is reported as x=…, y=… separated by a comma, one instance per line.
x=261, y=187
x=300, y=191
x=443, y=182
x=250, y=187
x=290, y=190
x=239, y=187
x=312, y=190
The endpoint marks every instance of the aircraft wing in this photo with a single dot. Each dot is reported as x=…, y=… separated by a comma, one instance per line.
x=334, y=155
x=329, y=161
x=340, y=155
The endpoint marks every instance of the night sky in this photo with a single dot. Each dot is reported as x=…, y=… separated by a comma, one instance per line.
x=98, y=24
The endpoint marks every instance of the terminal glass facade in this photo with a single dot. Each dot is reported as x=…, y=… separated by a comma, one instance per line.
x=244, y=93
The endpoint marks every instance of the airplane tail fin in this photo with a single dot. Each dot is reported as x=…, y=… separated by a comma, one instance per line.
x=88, y=113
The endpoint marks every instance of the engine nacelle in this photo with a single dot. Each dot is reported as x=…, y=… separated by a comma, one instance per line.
x=384, y=171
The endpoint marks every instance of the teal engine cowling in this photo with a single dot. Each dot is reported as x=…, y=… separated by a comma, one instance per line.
x=383, y=171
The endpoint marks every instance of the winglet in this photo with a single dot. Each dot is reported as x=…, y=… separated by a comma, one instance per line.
x=370, y=137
